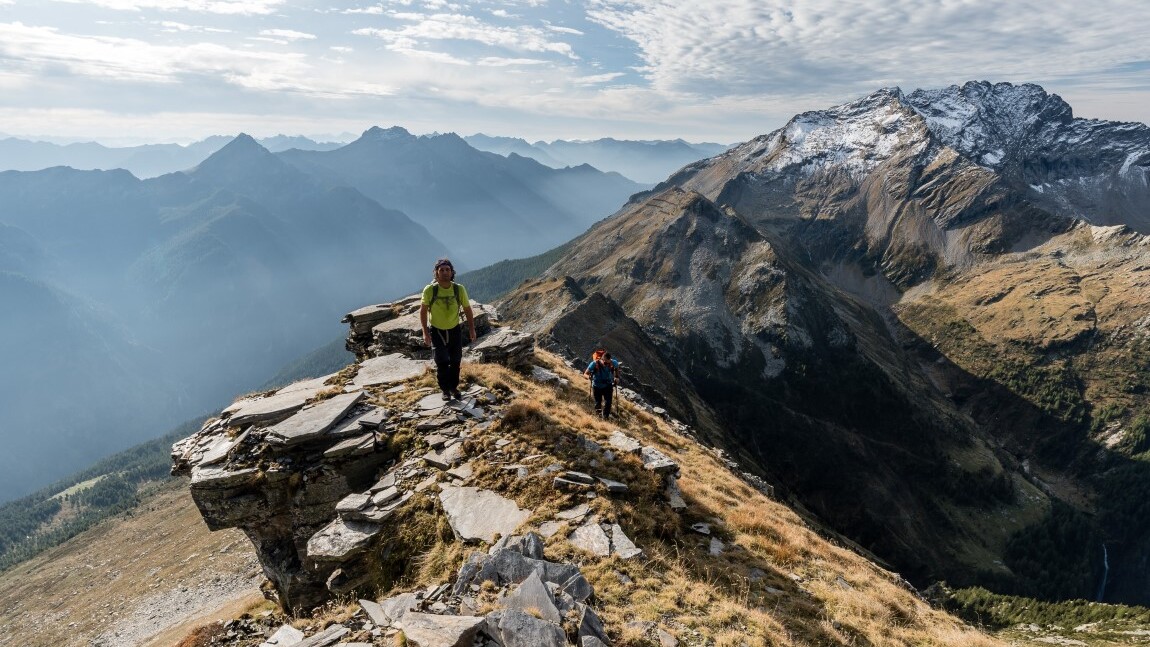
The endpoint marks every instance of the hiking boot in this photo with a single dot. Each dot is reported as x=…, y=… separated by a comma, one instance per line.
x=446, y=396
x=456, y=394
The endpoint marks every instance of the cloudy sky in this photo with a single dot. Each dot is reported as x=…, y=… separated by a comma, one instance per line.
x=128, y=71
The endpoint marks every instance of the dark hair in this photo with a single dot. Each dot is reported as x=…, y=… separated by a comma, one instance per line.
x=440, y=263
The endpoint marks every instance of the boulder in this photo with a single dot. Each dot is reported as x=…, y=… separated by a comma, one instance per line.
x=531, y=594
x=503, y=346
x=519, y=629
x=341, y=539
x=430, y=630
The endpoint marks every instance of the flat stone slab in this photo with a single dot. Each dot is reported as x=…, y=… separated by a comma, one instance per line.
x=432, y=402
x=353, y=502
x=385, y=496
x=364, y=444
x=375, y=612
x=478, y=515
x=446, y=458
x=285, y=636
x=325, y=638
x=404, y=323
x=352, y=424
x=211, y=478
x=374, y=418
x=591, y=538
x=312, y=422
x=575, y=514
x=625, y=443
x=430, y=630
x=341, y=539
x=400, y=605
x=657, y=461
x=614, y=487
x=622, y=545
x=463, y=472
x=218, y=450
x=282, y=402
x=388, y=369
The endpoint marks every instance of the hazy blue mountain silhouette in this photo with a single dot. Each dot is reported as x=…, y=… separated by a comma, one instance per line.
x=237, y=263
x=648, y=162
x=484, y=206
x=144, y=161
x=73, y=385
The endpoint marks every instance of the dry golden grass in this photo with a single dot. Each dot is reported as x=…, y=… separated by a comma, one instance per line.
x=777, y=582
x=93, y=583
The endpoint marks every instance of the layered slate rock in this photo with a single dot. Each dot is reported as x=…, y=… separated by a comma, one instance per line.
x=503, y=346
x=280, y=482
x=479, y=515
x=311, y=422
x=283, y=402
x=387, y=369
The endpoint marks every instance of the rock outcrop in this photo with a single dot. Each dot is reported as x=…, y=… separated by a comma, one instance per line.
x=318, y=473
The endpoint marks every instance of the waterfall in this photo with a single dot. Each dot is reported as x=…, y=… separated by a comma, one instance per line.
x=1105, y=572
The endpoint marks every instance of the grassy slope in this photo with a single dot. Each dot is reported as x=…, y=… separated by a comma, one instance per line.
x=805, y=590
x=137, y=573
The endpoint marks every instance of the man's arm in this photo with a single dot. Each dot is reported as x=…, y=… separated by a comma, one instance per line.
x=470, y=320
x=423, y=323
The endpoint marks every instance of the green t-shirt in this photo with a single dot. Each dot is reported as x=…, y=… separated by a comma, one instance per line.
x=444, y=313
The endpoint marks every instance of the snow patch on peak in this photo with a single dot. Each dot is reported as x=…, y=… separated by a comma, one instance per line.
x=983, y=121
x=856, y=136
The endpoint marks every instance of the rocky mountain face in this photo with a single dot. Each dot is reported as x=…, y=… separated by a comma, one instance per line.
x=922, y=315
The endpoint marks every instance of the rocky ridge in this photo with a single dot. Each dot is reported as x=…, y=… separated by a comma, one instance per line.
x=316, y=473
x=506, y=520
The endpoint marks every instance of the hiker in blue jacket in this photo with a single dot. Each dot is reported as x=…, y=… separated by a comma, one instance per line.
x=603, y=372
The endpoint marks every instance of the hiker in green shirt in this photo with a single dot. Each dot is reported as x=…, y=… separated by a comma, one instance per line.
x=442, y=301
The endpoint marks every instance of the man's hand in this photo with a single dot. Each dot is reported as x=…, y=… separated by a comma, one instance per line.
x=472, y=335
x=426, y=337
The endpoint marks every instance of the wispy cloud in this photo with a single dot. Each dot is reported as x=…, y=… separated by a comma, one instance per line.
x=747, y=47
x=495, y=61
x=427, y=28
x=37, y=51
x=287, y=34
x=230, y=7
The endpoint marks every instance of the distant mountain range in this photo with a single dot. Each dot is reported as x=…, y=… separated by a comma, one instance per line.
x=131, y=294
x=642, y=161
x=646, y=162
x=923, y=316
x=149, y=160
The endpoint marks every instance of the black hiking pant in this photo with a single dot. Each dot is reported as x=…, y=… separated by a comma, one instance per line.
x=603, y=399
x=447, y=348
